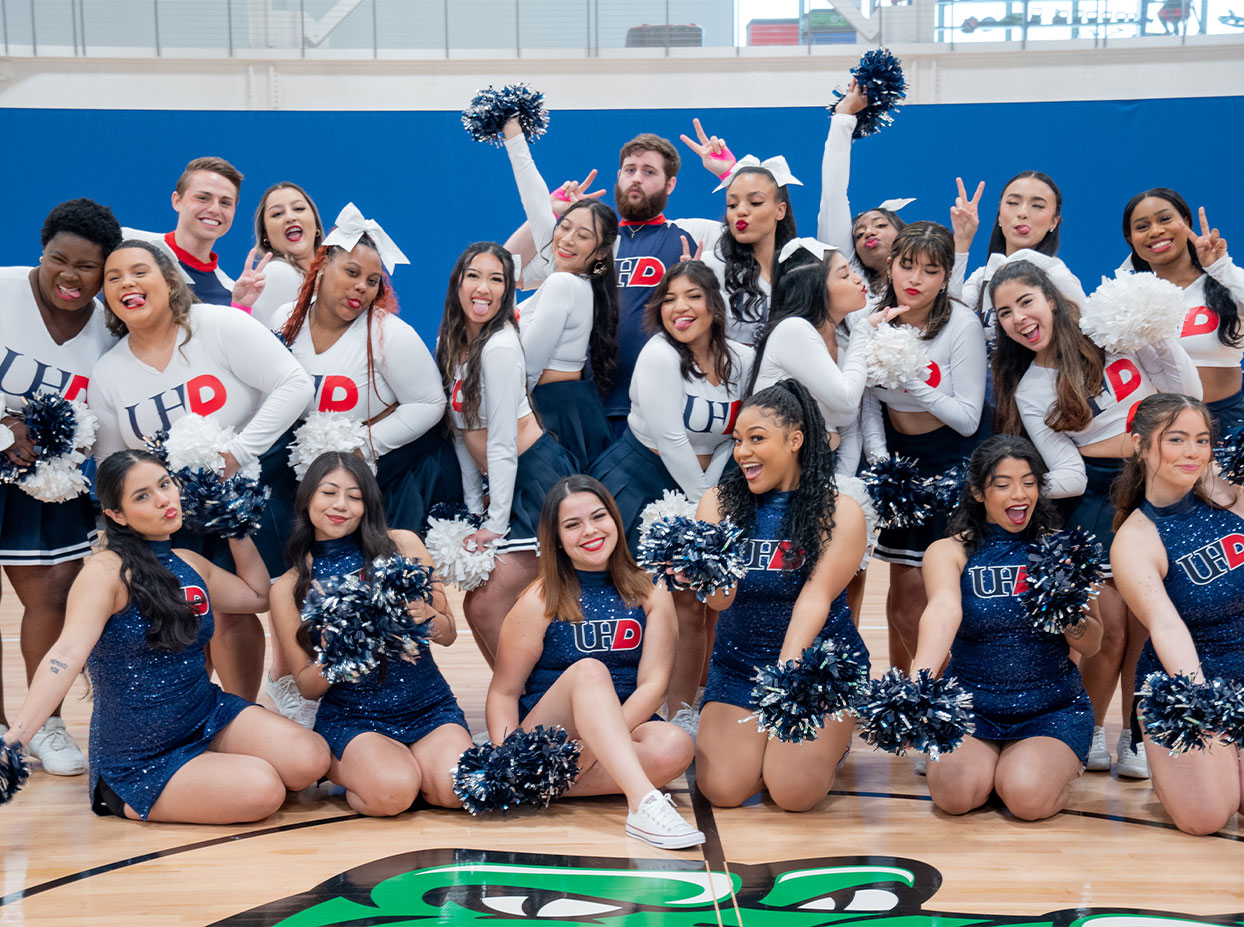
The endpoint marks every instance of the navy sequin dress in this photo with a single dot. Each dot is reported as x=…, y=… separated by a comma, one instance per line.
x=408, y=703
x=609, y=632
x=751, y=631
x=155, y=710
x=1022, y=680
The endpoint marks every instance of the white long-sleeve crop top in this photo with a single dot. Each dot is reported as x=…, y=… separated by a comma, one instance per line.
x=282, y=282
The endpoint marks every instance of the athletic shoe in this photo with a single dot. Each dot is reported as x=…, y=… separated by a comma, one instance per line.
x=289, y=701
x=1098, y=755
x=1133, y=764
x=688, y=719
x=658, y=822
x=57, y=750
x=920, y=764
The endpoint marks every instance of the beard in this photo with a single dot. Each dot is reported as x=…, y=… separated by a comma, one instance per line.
x=641, y=210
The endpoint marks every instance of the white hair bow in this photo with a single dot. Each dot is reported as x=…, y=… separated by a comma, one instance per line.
x=351, y=226
x=776, y=166
x=813, y=246
x=896, y=204
x=1062, y=278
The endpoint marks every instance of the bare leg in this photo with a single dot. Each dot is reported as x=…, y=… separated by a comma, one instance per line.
x=855, y=595
x=1101, y=671
x=904, y=604
x=692, y=648
x=1137, y=635
x=437, y=754
x=963, y=780
x=485, y=608
x=1034, y=777
x=237, y=653
x=1200, y=789
x=300, y=757
x=42, y=591
x=664, y=752
x=381, y=776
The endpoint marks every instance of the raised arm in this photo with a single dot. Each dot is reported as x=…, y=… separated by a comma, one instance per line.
x=833, y=223
x=1170, y=368
x=243, y=592
x=444, y=629
x=532, y=189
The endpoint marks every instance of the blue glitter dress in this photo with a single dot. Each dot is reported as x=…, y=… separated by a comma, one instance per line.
x=609, y=632
x=1022, y=680
x=406, y=702
x=155, y=710
x=751, y=631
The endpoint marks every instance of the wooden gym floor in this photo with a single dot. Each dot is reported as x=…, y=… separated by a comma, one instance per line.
x=875, y=848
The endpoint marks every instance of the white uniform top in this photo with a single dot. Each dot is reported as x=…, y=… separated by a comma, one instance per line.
x=796, y=349
x=502, y=402
x=282, y=282
x=405, y=376
x=953, y=390
x=977, y=289
x=1129, y=378
x=680, y=419
x=31, y=362
x=232, y=369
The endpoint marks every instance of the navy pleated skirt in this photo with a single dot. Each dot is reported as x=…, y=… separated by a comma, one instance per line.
x=539, y=467
x=1093, y=511
x=1227, y=413
x=635, y=476
x=571, y=411
x=34, y=533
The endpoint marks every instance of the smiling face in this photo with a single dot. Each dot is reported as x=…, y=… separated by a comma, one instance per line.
x=753, y=207
x=135, y=288
x=874, y=235
x=1157, y=232
x=1027, y=213
x=481, y=291
x=586, y=531
x=348, y=284
x=766, y=451
x=685, y=312
x=205, y=210
x=1025, y=314
x=1179, y=456
x=576, y=241
x=917, y=280
x=150, y=502
x=71, y=271
x=336, y=508
x=289, y=224
x=1010, y=494
x=642, y=189
x=847, y=291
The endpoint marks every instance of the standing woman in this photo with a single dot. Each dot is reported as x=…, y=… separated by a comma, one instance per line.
x=589, y=647
x=573, y=316
x=1073, y=400
x=52, y=332
x=287, y=226
x=166, y=743
x=934, y=421
x=1158, y=225
x=396, y=732
x=177, y=357
x=496, y=433
x=802, y=542
x=1034, y=721
x=1171, y=510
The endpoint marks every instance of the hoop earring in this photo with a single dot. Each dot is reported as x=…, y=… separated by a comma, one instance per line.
x=599, y=268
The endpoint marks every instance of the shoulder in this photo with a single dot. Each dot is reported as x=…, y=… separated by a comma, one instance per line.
x=116, y=358
x=530, y=604
x=847, y=512
x=281, y=271
x=743, y=352
x=281, y=315
x=103, y=566
x=408, y=543
x=964, y=321
x=948, y=551
x=657, y=351
x=502, y=341
x=1137, y=532
x=709, y=507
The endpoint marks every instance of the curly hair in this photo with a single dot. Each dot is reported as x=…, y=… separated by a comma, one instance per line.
x=969, y=522
x=747, y=300
x=86, y=219
x=180, y=296
x=702, y=277
x=935, y=244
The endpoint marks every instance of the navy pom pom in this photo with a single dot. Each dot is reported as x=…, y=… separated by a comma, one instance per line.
x=450, y=511
x=13, y=772
x=1230, y=720
x=482, y=780
x=50, y=422
x=1229, y=453
x=791, y=699
x=900, y=495
x=706, y=554
x=1182, y=715
x=946, y=490
x=527, y=768
x=924, y=714
x=491, y=109
x=229, y=507
x=880, y=75
x=1063, y=570
x=395, y=582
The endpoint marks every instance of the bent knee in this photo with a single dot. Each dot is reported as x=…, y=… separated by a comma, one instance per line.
x=960, y=798
x=799, y=796
x=388, y=793
x=305, y=763
x=590, y=671
x=260, y=795
x=1202, y=821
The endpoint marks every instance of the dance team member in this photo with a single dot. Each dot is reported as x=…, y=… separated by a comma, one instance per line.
x=166, y=743
x=589, y=647
x=52, y=332
x=287, y=226
x=1173, y=513
x=1034, y=720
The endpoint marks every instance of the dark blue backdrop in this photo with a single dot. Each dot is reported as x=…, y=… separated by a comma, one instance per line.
x=435, y=190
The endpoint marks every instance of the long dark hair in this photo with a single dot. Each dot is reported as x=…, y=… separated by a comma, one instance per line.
x=893, y=218
x=742, y=272
x=1079, y=361
x=1048, y=244
x=452, y=341
x=934, y=242
x=172, y=622
x=802, y=293
x=702, y=276
x=969, y=521
x=809, y=519
x=1217, y=297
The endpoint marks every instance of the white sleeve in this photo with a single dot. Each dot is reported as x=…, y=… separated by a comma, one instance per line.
x=108, y=438
x=502, y=379
x=281, y=285
x=971, y=292
x=1225, y=272
x=533, y=191
x=801, y=352
x=1066, y=476
x=542, y=333
x=472, y=479
x=701, y=231
x=872, y=428
x=850, y=444
x=960, y=410
x=1067, y=283
x=405, y=363
x=954, y=289
x=1170, y=368
x=833, y=224
x=722, y=455
x=658, y=387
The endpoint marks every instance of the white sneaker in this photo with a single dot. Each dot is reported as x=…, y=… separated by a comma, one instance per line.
x=1132, y=764
x=1098, y=755
x=658, y=822
x=57, y=750
x=920, y=764
x=289, y=701
x=688, y=719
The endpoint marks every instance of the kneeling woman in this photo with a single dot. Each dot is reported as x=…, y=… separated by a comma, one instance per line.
x=589, y=647
x=802, y=543
x=397, y=732
x=166, y=743
x=1034, y=720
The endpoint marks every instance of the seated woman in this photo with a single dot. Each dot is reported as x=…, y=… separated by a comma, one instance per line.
x=1034, y=720
x=397, y=731
x=802, y=542
x=166, y=743
x=589, y=647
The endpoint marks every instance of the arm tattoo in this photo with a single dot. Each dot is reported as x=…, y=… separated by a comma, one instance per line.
x=56, y=666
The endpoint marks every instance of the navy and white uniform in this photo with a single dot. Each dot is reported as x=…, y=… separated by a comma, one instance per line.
x=404, y=701
x=210, y=284
x=976, y=289
x=34, y=533
x=1022, y=680
x=751, y=631
x=282, y=283
x=155, y=710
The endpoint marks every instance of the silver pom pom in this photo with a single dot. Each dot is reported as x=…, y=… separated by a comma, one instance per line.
x=1133, y=311
x=896, y=355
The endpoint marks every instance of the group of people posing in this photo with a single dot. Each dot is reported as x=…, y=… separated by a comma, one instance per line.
x=724, y=360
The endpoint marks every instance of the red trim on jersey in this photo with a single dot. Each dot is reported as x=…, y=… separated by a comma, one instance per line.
x=659, y=220
x=187, y=258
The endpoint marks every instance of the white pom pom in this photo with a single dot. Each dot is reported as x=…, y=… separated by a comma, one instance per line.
x=672, y=504
x=895, y=355
x=85, y=426
x=57, y=480
x=854, y=487
x=466, y=569
x=1133, y=311
x=323, y=432
x=197, y=443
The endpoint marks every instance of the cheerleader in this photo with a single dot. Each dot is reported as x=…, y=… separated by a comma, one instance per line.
x=589, y=647
x=802, y=542
x=166, y=743
x=1158, y=226
x=51, y=331
x=934, y=421
x=287, y=226
x=397, y=731
x=1033, y=717
x=176, y=357
x=574, y=313
x=1173, y=514
x=1073, y=400
x=495, y=431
